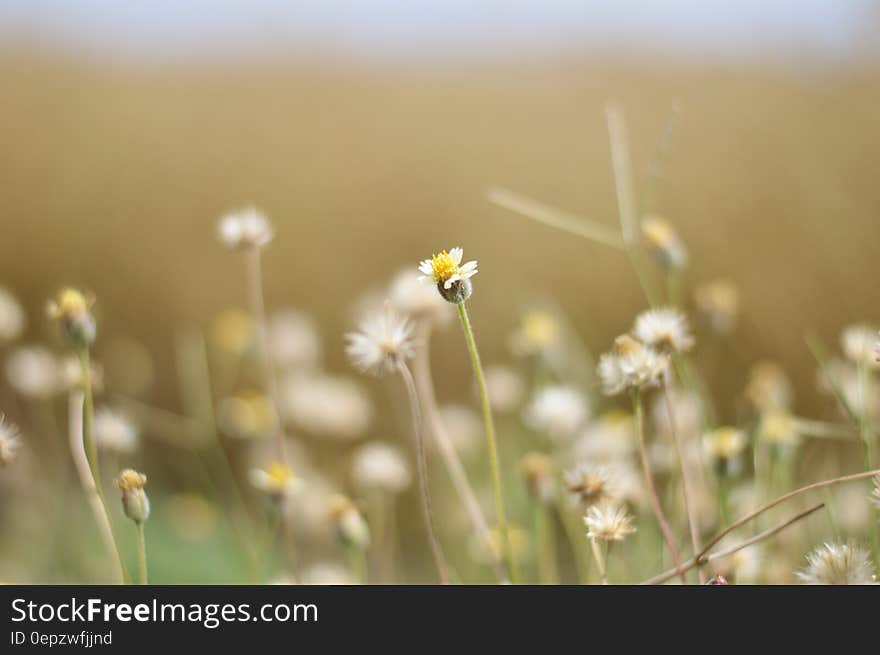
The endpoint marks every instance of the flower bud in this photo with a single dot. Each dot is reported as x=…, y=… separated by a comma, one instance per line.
x=72, y=310
x=351, y=528
x=457, y=292
x=135, y=503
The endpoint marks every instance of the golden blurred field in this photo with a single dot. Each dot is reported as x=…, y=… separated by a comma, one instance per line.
x=114, y=175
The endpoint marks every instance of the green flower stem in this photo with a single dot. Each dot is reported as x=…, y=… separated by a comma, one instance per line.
x=142, y=553
x=600, y=553
x=652, y=489
x=88, y=418
x=491, y=441
x=545, y=538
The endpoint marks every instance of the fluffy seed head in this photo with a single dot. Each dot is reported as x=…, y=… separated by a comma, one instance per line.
x=590, y=485
x=838, y=564
x=665, y=329
x=244, y=229
x=630, y=365
x=608, y=522
x=382, y=343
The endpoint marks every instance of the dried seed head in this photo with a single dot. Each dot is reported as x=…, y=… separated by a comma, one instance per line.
x=382, y=342
x=665, y=329
x=607, y=522
x=838, y=564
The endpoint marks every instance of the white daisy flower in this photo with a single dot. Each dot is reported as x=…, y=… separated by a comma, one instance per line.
x=838, y=564
x=858, y=343
x=380, y=466
x=276, y=480
x=558, y=411
x=382, y=343
x=245, y=228
x=664, y=328
x=631, y=365
x=114, y=431
x=447, y=268
x=608, y=523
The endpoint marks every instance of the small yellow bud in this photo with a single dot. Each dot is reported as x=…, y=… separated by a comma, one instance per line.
x=135, y=503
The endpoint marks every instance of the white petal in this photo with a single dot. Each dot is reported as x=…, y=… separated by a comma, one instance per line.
x=456, y=254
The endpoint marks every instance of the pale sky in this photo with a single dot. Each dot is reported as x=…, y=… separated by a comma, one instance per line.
x=819, y=29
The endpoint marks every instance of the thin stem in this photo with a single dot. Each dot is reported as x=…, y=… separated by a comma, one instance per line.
x=685, y=477
x=781, y=499
x=626, y=199
x=87, y=480
x=652, y=489
x=599, y=554
x=545, y=537
x=422, y=468
x=574, y=533
x=554, y=217
x=88, y=413
x=761, y=536
x=425, y=388
x=357, y=559
x=494, y=465
x=254, y=274
x=142, y=553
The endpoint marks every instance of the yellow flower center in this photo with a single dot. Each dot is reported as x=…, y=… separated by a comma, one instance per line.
x=443, y=266
x=540, y=328
x=279, y=473
x=130, y=480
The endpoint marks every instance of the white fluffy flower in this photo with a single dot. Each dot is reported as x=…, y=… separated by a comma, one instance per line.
x=664, y=328
x=114, y=431
x=380, y=466
x=246, y=228
x=838, y=564
x=859, y=343
x=557, y=411
x=631, y=365
x=12, y=320
x=608, y=523
x=326, y=405
x=382, y=343
x=33, y=371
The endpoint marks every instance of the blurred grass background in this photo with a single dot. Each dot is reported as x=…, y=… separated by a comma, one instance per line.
x=114, y=175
